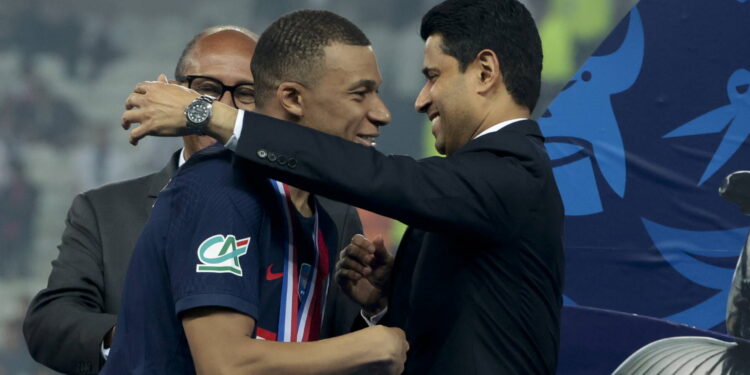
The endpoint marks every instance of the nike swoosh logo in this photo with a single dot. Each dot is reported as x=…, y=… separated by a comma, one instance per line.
x=273, y=275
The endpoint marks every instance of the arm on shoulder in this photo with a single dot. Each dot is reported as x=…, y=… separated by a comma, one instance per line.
x=477, y=192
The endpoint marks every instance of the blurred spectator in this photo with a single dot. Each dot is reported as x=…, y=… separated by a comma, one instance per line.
x=4, y=160
x=97, y=47
x=19, y=199
x=49, y=27
x=81, y=41
x=7, y=13
x=34, y=113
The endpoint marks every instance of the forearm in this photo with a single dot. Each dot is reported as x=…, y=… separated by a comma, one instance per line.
x=221, y=125
x=340, y=355
x=220, y=343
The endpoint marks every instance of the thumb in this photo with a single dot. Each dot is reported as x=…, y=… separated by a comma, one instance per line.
x=163, y=78
x=380, y=251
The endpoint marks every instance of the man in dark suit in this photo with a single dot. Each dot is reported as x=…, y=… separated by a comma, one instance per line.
x=70, y=324
x=477, y=282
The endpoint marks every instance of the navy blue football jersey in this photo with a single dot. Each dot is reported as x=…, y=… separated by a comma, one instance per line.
x=218, y=238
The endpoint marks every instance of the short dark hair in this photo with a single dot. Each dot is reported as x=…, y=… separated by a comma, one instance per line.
x=182, y=62
x=503, y=26
x=291, y=49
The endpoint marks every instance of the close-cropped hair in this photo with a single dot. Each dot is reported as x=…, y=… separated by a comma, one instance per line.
x=503, y=26
x=182, y=62
x=292, y=49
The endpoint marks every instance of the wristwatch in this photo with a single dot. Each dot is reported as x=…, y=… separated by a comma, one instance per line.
x=198, y=113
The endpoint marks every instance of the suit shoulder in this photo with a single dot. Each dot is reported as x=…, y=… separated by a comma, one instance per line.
x=135, y=187
x=517, y=142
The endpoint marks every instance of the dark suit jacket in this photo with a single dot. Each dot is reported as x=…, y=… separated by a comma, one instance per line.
x=477, y=281
x=66, y=322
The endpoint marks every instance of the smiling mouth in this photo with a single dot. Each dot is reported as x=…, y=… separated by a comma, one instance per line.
x=433, y=118
x=366, y=139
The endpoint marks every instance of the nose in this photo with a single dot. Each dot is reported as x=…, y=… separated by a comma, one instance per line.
x=226, y=98
x=423, y=100
x=379, y=114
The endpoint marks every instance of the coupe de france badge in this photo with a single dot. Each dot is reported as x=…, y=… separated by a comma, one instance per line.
x=221, y=254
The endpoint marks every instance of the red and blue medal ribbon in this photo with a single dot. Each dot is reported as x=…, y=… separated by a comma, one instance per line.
x=302, y=301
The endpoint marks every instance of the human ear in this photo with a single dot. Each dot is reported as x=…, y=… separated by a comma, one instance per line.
x=289, y=95
x=488, y=68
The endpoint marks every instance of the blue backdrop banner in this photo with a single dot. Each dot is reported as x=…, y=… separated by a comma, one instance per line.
x=641, y=138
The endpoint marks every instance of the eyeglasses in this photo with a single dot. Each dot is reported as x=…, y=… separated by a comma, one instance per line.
x=242, y=94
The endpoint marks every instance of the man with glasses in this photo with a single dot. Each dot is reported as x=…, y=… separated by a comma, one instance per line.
x=70, y=324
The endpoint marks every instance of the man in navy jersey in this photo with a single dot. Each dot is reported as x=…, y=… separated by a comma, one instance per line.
x=230, y=262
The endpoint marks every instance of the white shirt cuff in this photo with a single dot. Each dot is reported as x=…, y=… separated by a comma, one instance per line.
x=105, y=352
x=232, y=142
x=181, y=161
x=373, y=320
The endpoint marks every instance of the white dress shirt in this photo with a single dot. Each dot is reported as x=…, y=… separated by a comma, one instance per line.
x=499, y=126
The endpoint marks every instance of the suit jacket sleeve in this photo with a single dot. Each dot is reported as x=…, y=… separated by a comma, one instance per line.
x=435, y=194
x=68, y=313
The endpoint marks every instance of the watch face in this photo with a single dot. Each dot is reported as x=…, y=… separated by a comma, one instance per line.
x=199, y=112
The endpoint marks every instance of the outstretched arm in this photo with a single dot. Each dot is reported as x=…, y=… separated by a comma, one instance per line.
x=472, y=194
x=478, y=193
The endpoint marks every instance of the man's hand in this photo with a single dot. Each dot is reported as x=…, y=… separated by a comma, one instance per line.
x=389, y=346
x=159, y=108
x=364, y=271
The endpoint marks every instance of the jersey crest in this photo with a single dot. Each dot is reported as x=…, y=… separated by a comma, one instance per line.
x=221, y=254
